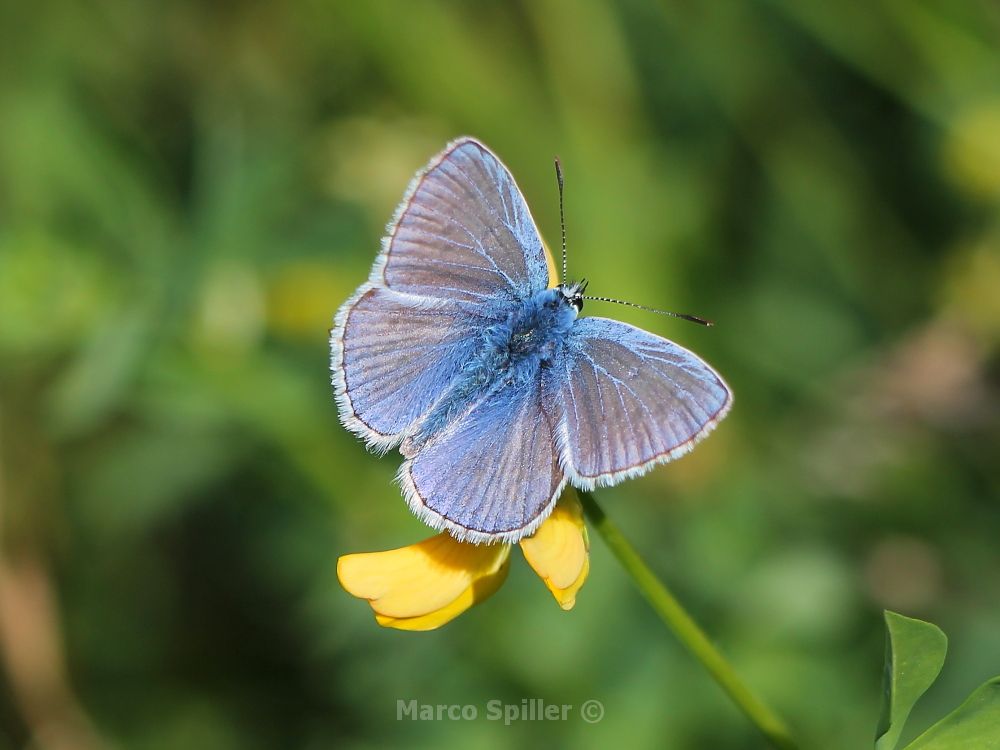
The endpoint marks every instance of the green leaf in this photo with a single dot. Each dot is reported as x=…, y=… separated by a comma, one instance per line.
x=914, y=655
x=974, y=724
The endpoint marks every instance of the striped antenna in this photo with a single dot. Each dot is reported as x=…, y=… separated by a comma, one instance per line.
x=682, y=316
x=562, y=218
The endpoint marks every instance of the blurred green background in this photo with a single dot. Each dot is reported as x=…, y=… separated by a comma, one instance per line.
x=188, y=191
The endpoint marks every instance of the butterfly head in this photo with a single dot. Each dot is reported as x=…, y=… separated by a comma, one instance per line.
x=573, y=293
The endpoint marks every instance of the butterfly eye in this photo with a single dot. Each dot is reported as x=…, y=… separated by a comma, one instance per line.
x=577, y=302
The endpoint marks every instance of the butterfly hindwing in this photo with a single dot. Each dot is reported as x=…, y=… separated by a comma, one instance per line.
x=631, y=400
x=393, y=357
x=494, y=474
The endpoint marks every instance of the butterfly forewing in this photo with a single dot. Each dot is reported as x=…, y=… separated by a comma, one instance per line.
x=464, y=232
x=631, y=400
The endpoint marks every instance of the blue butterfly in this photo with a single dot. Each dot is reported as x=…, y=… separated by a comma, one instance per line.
x=497, y=394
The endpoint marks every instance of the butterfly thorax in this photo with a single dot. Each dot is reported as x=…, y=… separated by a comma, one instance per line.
x=533, y=329
x=510, y=353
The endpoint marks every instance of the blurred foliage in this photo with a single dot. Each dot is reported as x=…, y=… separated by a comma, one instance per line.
x=189, y=190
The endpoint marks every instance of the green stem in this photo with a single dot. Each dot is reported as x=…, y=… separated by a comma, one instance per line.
x=686, y=629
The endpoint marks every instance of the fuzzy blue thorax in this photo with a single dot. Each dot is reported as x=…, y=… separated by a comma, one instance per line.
x=510, y=352
x=529, y=335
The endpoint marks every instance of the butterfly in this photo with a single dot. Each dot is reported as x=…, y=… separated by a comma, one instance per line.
x=458, y=352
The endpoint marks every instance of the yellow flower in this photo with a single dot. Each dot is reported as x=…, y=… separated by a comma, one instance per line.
x=425, y=585
x=560, y=550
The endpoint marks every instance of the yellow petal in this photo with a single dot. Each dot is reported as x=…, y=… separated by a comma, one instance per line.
x=559, y=551
x=554, y=279
x=423, y=586
x=476, y=593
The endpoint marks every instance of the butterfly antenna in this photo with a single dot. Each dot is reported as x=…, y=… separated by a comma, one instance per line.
x=562, y=216
x=682, y=316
